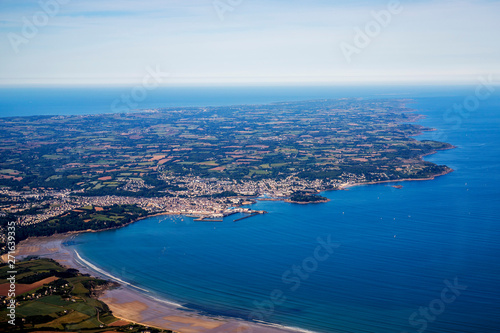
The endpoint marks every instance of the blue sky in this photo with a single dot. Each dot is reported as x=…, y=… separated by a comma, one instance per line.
x=246, y=41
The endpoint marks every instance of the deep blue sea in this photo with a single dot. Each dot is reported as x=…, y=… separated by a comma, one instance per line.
x=424, y=258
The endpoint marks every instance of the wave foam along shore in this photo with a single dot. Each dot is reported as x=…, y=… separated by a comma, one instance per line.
x=112, y=277
x=135, y=304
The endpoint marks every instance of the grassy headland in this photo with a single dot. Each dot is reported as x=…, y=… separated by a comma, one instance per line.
x=50, y=297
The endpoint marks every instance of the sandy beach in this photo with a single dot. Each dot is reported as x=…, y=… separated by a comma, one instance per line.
x=132, y=305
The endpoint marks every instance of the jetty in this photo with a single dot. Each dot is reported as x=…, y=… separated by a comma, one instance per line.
x=206, y=219
x=252, y=214
x=245, y=217
x=219, y=217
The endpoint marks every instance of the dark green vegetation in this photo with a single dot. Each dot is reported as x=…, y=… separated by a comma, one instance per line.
x=300, y=197
x=66, y=304
x=86, y=218
x=126, y=154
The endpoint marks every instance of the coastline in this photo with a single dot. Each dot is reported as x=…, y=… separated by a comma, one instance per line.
x=348, y=185
x=132, y=303
x=447, y=171
x=306, y=203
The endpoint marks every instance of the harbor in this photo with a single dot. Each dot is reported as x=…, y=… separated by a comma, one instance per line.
x=219, y=217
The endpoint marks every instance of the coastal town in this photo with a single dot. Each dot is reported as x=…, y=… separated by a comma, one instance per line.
x=39, y=206
x=204, y=162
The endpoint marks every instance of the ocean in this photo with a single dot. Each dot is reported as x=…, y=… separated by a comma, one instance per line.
x=424, y=258
x=54, y=100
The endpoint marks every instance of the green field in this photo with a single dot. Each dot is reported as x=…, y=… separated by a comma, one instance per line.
x=371, y=139
x=33, y=308
x=67, y=306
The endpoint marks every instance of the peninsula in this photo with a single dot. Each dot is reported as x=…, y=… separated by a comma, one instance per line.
x=63, y=174
x=103, y=171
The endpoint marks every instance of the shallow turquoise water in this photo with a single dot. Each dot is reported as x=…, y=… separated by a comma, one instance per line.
x=396, y=248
